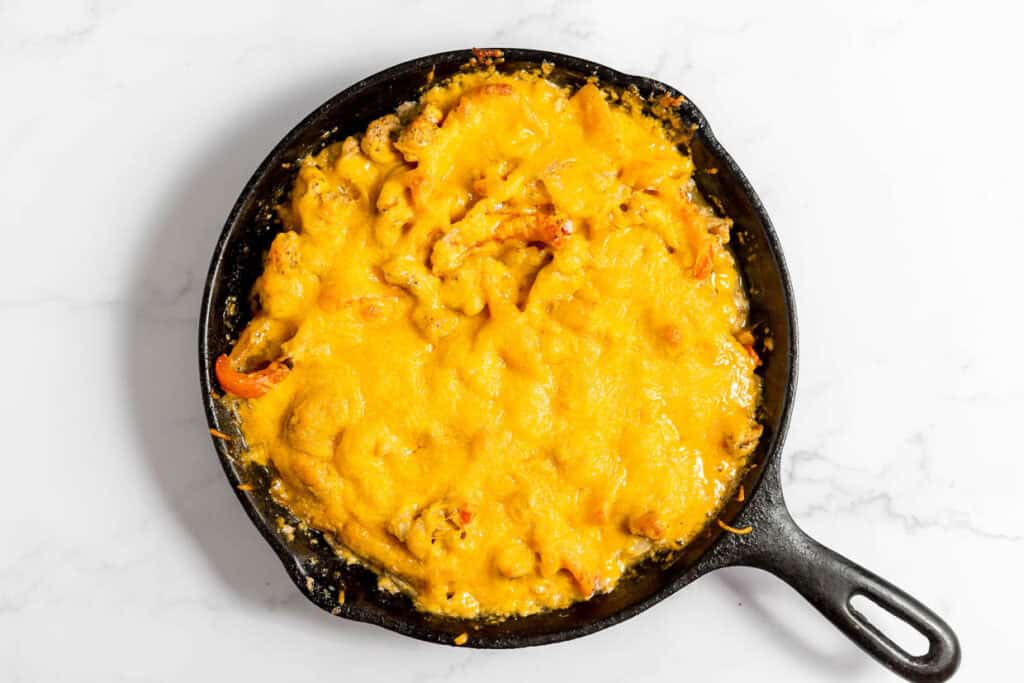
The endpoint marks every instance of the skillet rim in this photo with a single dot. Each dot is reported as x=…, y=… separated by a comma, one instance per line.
x=718, y=552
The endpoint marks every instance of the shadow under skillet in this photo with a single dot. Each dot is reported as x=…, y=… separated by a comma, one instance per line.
x=159, y=354
x=829, y=653
x=159, y=366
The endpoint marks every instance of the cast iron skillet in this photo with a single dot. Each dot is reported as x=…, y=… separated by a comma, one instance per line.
x=826, y=579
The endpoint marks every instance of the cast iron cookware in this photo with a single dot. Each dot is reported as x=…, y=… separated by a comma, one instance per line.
x=776, y=544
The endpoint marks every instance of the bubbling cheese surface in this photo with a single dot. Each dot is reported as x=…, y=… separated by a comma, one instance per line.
x=516, y=343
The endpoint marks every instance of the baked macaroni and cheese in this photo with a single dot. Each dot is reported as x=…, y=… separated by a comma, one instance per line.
x=498, y=352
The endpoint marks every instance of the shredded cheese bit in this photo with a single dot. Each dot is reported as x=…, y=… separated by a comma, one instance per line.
x=341, y=597
x=741, y=495
x=461, y=639
x=486, y=55
x=733, y=530
x=217, y=434
x=246, y=487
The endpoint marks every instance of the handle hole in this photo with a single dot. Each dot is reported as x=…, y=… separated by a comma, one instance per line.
x=912, y=641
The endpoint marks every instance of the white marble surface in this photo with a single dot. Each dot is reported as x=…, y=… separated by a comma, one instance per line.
x=884, y=138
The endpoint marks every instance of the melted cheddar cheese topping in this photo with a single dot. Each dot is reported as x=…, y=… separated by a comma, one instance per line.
x=498, y=352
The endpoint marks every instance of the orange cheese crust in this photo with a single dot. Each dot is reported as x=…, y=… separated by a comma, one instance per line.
x=502, y=329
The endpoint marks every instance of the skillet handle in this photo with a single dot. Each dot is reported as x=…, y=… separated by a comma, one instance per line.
x=829, y=581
